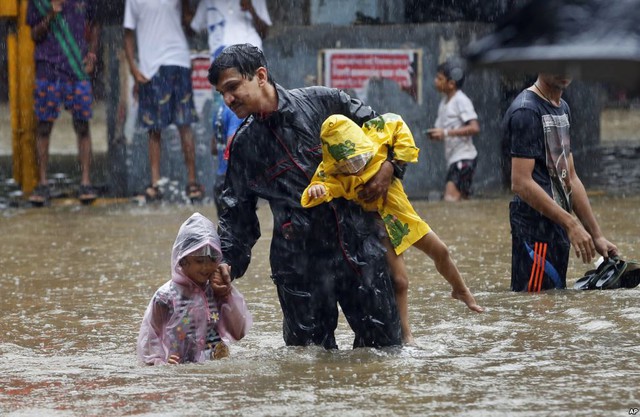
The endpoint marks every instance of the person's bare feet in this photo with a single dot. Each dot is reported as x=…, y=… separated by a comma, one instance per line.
x=466, y=297
x=407, y=339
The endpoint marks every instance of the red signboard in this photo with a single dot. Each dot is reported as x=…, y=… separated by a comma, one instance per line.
x=199, y=73
x=202, y=90
x=351, y=69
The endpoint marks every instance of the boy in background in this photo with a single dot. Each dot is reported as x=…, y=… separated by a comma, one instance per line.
x=456, y=124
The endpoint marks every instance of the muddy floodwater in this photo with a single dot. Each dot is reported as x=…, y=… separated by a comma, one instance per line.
x=74, y=283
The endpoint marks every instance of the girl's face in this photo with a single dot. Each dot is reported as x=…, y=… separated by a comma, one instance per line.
x=199, y=269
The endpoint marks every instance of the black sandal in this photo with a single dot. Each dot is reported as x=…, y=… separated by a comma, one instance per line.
x=152, y=193
x=40, y=196
x=87, y=194
x=195, y=191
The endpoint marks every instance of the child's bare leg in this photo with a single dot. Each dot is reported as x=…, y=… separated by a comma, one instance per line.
x=401, y=287
x=438, y=251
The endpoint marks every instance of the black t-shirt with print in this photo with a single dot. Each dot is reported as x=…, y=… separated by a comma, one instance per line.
x=538, y=130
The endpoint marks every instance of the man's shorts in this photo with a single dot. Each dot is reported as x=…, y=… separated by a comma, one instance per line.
x=537, y=266
x=167, y=99
x=461, y=174
x=77, y=97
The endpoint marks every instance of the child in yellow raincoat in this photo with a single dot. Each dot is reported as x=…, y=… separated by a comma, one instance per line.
x=351, y=156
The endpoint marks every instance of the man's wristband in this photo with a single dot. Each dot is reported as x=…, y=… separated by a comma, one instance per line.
x=398, y=169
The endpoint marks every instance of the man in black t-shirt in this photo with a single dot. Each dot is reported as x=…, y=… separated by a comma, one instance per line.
x=547, y=189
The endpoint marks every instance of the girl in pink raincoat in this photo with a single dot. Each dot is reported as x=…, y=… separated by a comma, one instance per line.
x=185, y=320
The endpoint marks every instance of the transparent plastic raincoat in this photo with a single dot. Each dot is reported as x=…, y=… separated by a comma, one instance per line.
x=342, y=140
x=184, y=318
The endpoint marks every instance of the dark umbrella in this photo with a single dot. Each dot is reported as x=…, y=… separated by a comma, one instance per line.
x=595, y=40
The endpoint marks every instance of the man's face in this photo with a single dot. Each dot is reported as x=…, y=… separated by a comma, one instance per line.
x=240, y=94
x=559, y=81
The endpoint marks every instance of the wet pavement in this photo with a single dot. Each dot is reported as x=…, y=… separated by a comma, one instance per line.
x=75, y=281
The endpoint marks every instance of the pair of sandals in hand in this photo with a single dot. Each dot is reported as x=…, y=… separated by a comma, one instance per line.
x=611, y=274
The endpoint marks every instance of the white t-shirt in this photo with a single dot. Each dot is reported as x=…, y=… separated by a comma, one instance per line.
x=227, y=24
x=159, y=35
x=453, y=114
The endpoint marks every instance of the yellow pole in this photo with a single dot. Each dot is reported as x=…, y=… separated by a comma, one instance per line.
x=12, y=59
x=9, y=8
x=20, y=50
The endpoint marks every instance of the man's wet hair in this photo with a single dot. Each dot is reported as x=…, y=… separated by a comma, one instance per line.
x=453, y=69
x=245, y=58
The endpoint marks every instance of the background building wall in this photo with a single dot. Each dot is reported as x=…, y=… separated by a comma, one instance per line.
x=292, y=49
x=292, y=53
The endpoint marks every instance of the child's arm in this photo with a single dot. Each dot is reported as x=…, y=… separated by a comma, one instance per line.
x=333, y=188
x=235, y=318
x=315, y=194
x=470, y=128
x=151, y=348
x=317, y=191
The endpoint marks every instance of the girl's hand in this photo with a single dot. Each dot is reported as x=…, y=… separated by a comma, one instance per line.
x=173, y=360
x=317, y=191
x=221, y=282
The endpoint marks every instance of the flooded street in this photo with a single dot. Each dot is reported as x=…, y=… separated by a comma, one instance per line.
x=75, y=281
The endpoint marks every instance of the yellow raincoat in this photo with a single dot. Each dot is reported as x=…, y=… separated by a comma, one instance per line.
x=342, y=139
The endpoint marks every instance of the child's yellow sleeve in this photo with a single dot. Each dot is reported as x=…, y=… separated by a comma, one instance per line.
x=404, y=146
x=333, y=187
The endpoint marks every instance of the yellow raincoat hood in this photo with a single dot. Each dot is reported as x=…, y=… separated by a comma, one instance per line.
x=381, y=137
x=343, y=139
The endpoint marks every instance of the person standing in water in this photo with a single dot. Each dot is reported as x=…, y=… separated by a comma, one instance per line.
x=191, y=318
x=273, y=156
x=350, y=157
x=456, y=124
x=547, y=190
